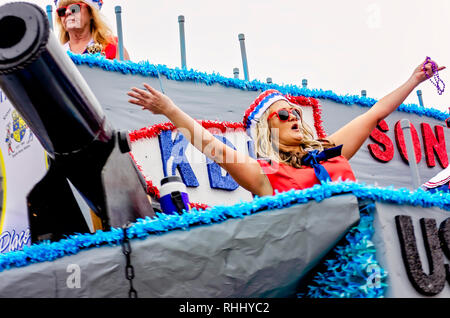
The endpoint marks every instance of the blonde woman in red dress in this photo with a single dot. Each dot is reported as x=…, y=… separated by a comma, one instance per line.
x=288, y=155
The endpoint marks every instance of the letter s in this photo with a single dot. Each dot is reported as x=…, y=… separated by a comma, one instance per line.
x=382, y=140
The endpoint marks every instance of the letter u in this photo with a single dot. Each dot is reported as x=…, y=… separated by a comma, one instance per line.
x=433, y=283
x=444, y=234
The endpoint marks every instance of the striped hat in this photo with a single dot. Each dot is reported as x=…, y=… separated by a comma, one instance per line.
x=257, y=109
x=93, y=3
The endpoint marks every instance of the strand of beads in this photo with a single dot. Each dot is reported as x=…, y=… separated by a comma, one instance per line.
x=435, y=75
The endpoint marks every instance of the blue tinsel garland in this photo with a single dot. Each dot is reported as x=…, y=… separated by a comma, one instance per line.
x=346, y=276
x=350, y=274
x=145, y=68
x=163, y=223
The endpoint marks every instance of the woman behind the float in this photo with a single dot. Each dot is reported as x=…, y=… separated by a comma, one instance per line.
x=82, y=29
x=288, y=155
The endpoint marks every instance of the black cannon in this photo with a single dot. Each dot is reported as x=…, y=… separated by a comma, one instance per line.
x=84, y=150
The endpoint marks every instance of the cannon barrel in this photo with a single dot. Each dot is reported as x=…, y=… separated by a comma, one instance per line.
x=44, y=84
x=86, y=153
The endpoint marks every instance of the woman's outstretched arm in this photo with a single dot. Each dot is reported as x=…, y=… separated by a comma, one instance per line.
x=353, y=135
x=245, y=170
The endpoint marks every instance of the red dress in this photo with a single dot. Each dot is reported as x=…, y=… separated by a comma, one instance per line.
x=110, y=50
x=283, y=177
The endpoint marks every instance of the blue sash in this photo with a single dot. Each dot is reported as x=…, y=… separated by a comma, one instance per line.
x=313, y=158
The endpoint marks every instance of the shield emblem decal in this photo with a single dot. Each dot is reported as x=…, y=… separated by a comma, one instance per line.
x=19, y=127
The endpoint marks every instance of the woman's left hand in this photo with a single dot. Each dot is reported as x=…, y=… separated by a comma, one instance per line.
x=421, y=75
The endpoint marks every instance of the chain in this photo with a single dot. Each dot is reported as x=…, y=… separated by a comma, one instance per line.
x=129, y=269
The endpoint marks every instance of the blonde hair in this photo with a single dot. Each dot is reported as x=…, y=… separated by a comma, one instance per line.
x=267, y=147
x=100, y=31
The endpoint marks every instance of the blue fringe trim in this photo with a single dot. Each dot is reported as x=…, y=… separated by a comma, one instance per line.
x=354, y=272
x=145, y=68
x=359, y=243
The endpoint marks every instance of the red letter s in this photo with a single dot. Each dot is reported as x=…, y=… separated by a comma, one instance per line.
x=382, y=140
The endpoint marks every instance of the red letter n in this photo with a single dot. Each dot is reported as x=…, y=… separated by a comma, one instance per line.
x=434, y=144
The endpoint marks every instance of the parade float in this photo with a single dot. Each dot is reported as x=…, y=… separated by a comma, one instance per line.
x=82, y=170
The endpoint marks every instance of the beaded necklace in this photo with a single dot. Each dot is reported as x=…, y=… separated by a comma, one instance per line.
x=435, y=78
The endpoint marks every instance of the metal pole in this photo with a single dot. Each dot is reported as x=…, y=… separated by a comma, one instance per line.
x=419, y=94
x=118, y=11
x=405, y=124
x=182, y=41
x=363, y=93
x=236, y=72
x=244, y=55
x=304, y=83
x=49, y=15
x=269, y=80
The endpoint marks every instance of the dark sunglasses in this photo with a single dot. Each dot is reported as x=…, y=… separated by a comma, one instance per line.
x=73, y=8
x=284, y=113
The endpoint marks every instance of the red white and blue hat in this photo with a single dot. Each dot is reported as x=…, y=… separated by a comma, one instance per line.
x=257, y=109
x=93, y=3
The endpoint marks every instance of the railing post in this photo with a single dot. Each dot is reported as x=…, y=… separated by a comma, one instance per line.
x=118, y=11
x=405, y=124
x=49, y=15
x=244, y=55
x=182, y=41
x=236, y=72
x=363, y=93
x=447, y=121
x=419, y=95
x=304, y=83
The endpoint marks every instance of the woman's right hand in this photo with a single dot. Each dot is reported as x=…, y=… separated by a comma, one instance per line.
x=151, y=99
x=245, y=170
x=425, y=70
